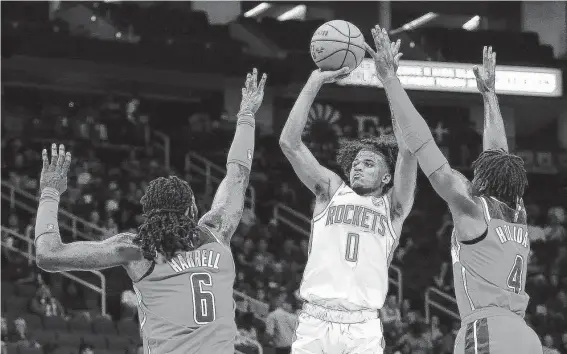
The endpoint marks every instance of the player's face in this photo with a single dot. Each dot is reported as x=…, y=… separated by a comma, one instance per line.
x=369, y=171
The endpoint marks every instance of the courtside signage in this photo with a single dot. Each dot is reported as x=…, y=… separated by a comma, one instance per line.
x=459, y=77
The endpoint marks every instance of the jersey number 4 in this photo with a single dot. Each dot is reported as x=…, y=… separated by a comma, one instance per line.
x=204, y=310
x=515, y=278
x=351, y=253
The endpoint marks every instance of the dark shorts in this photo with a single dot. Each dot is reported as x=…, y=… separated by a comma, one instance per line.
x=497, y=335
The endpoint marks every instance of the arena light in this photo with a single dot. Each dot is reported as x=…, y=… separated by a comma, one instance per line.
x=298, y=12
x=255, y=11
x=416, y=23
x=459, y=77
x=472, y=24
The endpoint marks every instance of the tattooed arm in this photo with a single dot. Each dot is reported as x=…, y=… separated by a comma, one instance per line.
x=228, y=204
x=52, y=254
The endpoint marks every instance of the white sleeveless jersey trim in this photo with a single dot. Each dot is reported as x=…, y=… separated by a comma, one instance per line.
x=350, y=248
x=315, y=218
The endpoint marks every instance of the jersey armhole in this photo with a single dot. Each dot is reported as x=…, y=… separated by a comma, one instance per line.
x=318, y=216
x=389, y=211
x=206, y=229
x=485, y=211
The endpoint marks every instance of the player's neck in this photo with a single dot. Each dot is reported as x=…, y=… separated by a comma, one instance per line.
x=370, y=193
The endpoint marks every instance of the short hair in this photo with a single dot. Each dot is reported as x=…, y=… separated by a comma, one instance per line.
x=166, y=229
x=500, y=175
x=384, y=145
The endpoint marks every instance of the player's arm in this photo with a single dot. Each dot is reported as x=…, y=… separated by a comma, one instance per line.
x=494, y=136
x=320, y=180
x=452, y=186
x=52, y=254
x=228, y=203
x=405, y=178
x=449, y=184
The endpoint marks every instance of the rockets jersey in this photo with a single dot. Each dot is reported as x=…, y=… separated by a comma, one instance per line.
x=186, y=305
x=350, y=249
x=492, y=272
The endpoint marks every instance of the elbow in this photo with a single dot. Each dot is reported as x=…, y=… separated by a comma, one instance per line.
x=45, y=261
x=288, y=146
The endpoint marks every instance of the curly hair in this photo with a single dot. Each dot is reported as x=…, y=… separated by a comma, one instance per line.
x=501, y=175
x=166, y=229
x=384, y=145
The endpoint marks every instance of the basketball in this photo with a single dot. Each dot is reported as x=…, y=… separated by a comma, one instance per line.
x=337, y=44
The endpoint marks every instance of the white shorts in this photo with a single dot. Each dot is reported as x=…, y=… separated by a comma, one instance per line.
x=315, y=336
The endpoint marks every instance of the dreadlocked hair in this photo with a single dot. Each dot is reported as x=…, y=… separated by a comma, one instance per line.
x=500, y=175
x=167, y=229
x=384, y=145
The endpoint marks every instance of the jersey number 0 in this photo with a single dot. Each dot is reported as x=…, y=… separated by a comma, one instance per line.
x=351, y=253
x=203, y=300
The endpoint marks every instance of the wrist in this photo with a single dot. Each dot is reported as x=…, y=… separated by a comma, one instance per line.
x=389, y=78
x=315, y=82
x=50, y=192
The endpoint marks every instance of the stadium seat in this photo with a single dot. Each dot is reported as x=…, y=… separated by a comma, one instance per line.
x=104, y=325
x=26, y=290
x=7, y=289
x=95, y=340
x=118, y=342
x=55, y=323
x=12, y=348
x=44, y=337
x=110, y=351
x=32, y=320
x=30, y=351
x=80, y=324
x=65, y=350
x=17, y=304
x=68, y=339
x=128, y=327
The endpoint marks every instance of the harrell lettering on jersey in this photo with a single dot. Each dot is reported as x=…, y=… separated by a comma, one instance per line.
x=492, y=272
x=351, y=245
x=188, y=301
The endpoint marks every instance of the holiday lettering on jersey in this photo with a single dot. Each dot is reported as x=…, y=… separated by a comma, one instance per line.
x=357, y=215
x=195, y=259
x=514, y=233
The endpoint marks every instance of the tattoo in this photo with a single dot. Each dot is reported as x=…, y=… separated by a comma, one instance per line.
x=228, y=204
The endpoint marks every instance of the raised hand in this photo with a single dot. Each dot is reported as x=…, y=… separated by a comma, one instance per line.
x=54, y=173
x=386, y=57
x=252, y=93
x=486, y=76
x=327, y=76
x=395, y=47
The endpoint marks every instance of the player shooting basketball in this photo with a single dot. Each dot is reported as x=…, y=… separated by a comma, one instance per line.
x=355, y=230
x=182, y=270
x=490, y=245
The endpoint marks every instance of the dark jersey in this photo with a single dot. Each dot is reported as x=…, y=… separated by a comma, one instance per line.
x=492, y=271
x=186, y=304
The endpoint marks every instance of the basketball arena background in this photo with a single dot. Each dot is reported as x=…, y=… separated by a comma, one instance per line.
x=140, y=90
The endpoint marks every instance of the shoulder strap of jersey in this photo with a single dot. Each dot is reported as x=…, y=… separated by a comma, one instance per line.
x=207, y=230
x=318, y=216
x=485, y=209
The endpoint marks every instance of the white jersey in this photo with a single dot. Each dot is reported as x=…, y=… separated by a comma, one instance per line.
x=350, y=249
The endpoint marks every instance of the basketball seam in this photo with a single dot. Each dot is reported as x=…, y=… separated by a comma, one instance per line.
x=338, y=30
x=337, y=41
x=335, y=52
x=347, y=49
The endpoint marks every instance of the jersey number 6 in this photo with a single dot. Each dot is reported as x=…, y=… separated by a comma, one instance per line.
x=351, y=253
x=203, y=300
x=515, y=278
